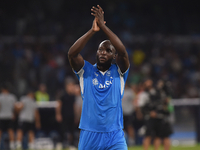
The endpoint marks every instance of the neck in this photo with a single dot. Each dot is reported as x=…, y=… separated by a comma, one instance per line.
x=5, y=92
x=103, y=67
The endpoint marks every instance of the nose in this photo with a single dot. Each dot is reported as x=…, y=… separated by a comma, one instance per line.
x=103, y=52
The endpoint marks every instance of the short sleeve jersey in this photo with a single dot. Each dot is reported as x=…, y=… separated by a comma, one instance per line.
x=7, y=103
x=27, y=113
x=102, y=95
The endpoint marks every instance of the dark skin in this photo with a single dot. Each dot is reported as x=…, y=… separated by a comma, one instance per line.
x=105, y=54
x=107, y=49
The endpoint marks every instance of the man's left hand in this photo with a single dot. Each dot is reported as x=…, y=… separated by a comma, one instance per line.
x=99, y=15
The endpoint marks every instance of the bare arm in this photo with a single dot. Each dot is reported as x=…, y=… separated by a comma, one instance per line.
x=75, y=59
x=58, y=111
x=18, y=107
x=122, y=57
x=37, y=119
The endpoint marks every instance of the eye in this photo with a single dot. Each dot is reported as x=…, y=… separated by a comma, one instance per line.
x=109, y=50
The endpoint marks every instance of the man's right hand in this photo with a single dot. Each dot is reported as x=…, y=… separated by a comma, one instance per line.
x=95, y=27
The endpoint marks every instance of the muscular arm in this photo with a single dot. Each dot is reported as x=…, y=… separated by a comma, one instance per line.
x=75, y=59
x=122, y=57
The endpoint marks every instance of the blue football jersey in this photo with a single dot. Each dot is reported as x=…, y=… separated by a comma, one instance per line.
x=102, y=95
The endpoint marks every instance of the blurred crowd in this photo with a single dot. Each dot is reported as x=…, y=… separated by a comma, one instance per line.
x=29, y=64
x=36, y=35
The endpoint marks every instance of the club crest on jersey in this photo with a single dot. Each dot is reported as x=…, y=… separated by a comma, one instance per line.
x=95, y=81
x=100, y=85
x=108, y=73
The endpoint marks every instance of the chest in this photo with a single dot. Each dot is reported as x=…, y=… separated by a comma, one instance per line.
x=29, y=105
x=102, y=81
x=6, y=102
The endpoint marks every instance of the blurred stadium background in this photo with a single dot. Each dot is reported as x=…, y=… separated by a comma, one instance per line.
x=161, y=37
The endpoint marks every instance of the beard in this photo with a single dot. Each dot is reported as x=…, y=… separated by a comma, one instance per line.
x=105, y=63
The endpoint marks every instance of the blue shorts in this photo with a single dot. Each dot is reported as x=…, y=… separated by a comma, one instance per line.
x=102, y=140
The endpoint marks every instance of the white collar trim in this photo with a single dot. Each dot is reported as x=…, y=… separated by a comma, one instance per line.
x=103, y=73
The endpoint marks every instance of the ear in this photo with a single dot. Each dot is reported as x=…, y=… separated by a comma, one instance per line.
x=115, y=55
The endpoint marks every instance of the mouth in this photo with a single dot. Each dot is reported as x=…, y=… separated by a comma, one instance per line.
x=102, y=58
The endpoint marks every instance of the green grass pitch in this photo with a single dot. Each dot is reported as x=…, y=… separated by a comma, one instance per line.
x=197, y=147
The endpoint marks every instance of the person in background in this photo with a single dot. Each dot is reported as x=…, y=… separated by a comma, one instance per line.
x=153, y=115
x=41, y=95
x=140, y=100
x=163, y=88
x=7, y=113
x=65, y=114
x=128, y=109
x=29, y=118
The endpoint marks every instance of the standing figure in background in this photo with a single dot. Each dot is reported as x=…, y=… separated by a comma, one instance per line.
x=65, y=114
x=41, y=95
x=102, y=88
x=163, y=88
x=156, y=114
x=128, y=110
x=141, y=98
x=29, y=118
x=152, y=116
x=7, y=113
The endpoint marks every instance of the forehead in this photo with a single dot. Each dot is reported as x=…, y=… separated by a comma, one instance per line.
x=106, y=44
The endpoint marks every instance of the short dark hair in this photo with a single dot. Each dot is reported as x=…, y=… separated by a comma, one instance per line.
x=5, y=86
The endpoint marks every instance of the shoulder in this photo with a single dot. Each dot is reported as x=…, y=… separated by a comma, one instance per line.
x=116, y=67
x=86, y=67
x=23, y=98
x=87, y=63
x=12, y=96
x=124, y=73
